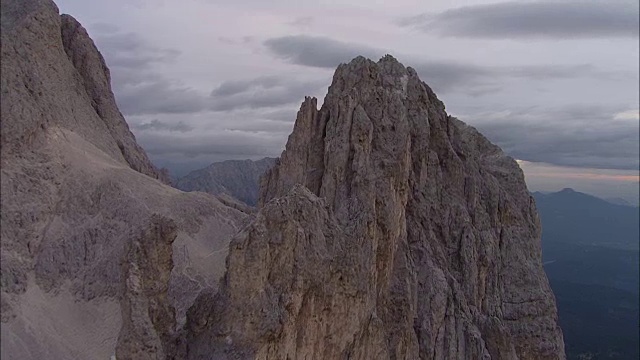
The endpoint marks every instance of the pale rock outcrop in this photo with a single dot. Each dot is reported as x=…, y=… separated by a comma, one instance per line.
x=77, y=191
x=145, y=280
x=388, y=230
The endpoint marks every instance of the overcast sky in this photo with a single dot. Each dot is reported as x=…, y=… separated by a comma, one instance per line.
x=554, y=83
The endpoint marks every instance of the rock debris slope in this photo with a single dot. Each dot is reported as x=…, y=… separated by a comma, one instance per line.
x=98, y=256
x=387, y=230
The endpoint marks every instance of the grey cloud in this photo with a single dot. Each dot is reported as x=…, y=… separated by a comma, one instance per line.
x=282, y=114
x=443, y=76
x=129, y=50
x=449, y=76
x=475, y=80
x=262, y=92
x=229, y=88
x=104, y=28
x=248, y=118
x=137, y=87
x=239, y=134
x=534, y=20
x=158, y=125
x=123, y=76
x=219, y=143
x=265, y=126
x=156, y=95
x=236, y=41
x=545, y=72
x=302, y=22
x=578, y=136
x=133, y=61
x=318, y=51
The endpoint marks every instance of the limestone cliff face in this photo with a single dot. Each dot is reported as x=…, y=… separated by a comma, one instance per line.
x=145, y=280
x=388, y=230
x=77, y=192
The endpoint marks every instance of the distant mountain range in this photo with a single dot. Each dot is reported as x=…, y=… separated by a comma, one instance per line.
x=590, y=252
x=577, y=218
x=237, y=178
x=620, y=201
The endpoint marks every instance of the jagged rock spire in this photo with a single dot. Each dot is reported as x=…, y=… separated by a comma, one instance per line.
x=388, y=230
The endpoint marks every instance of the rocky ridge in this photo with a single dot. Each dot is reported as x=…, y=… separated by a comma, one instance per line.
x=387, y=230
x=82, y=207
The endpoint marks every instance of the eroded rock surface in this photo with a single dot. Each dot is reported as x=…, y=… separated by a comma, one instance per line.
x=76, y=193
x=150, y=318
x=388, y=230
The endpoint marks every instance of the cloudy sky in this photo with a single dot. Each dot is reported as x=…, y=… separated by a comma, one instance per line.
x=554, y=83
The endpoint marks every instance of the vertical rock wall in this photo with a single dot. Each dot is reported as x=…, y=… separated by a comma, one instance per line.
x=388, y=230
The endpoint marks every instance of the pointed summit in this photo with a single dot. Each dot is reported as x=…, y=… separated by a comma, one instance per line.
x=387, y=229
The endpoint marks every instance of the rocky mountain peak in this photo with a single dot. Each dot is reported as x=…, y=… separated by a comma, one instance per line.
x=99, y=258
x=35, y=38
x=386, y=230
x=423, y=239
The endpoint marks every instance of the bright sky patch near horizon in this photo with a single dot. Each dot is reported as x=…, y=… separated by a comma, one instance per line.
x=554, y=83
